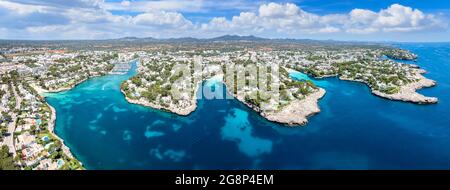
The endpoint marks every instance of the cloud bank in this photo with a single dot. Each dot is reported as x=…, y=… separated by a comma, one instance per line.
x=96, y=19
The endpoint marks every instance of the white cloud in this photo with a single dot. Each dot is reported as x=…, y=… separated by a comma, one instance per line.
x=191, y=6
x=362, y=16
x=162, y=18
x=92, y=16
x=329, y=29
x=396, y=18
x=276, y=10
x=279, y=18
x=22, y=9
x=125, y=3
x=290, y=19
x=69, y=32
x=59, y=3
x=398, y=15
x=146, y=6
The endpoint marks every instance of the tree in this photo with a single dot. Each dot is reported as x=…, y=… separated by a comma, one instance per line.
x=6, y=159
x=33, y=129
x=136, y=80
x=58, y=145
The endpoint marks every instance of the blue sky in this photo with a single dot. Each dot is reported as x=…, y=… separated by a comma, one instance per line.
x=361, y=20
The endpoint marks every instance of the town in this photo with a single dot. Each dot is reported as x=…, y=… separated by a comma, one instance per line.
x=27, y=121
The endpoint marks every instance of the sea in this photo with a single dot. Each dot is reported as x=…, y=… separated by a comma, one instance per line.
x=354, y=130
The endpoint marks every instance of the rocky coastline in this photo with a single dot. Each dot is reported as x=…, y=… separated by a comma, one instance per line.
x=298, y=111
x=179, y=111
x=294, y=114
x=407, y=93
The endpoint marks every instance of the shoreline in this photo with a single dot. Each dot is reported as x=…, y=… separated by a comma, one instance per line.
x=51, y=129
x=181, y=112
x=52, y=123
x=289, y=115
x=42, y=91
x=294, y=114
x=408, y=93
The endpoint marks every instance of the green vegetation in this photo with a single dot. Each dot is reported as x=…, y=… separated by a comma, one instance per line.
x=74, y=68
x=381, y=75
x=67, y=72
x=6, y=159
x=256, y=99
x=29, y=63
x=153, y=85
x=175, y=77
x=399, y=54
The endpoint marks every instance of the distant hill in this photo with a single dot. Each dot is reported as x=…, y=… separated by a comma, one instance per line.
x=231, y=38
x=237, y=38
x=130, y=40
x=191, y=39
x=185, y=39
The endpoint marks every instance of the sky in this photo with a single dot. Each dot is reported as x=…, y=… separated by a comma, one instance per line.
x=357, y=20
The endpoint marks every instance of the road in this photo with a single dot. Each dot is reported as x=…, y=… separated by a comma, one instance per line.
x=9, y=140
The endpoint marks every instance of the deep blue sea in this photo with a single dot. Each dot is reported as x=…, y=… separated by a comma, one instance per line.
x=354, y=130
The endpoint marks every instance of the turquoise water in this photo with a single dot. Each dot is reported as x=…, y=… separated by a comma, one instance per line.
x=301, y=76
x=354, y=130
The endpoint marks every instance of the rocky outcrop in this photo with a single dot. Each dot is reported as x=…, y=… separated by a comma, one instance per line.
x=184, y=111
x=408, y=92
x=298, y=111
x=295, y=113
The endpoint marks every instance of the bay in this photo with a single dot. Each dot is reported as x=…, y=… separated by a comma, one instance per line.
x=354, y=130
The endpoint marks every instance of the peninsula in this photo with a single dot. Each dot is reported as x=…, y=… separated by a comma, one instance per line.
x=295, y=100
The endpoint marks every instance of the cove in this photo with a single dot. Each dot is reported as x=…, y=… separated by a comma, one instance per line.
x=354, y=130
